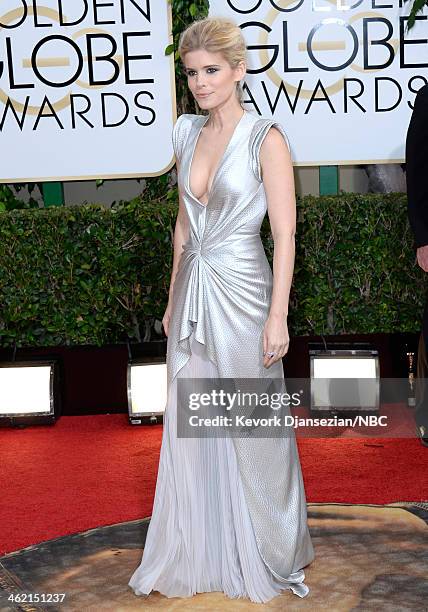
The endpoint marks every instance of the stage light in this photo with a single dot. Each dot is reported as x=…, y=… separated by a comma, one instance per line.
x=27, y=392
x=147, y=391
x=344, y=379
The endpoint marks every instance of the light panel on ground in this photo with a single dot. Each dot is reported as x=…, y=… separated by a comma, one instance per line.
x=147, y=388
x=25, y=389
x=345, y=379
x=344, y=367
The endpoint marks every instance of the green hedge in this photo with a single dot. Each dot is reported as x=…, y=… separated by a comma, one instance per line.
x=356, y=268
x=91, y=275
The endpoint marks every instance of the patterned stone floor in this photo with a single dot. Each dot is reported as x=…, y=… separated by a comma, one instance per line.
x=368, y=558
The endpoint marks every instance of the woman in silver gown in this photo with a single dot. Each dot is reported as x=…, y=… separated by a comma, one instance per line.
x=229, y=514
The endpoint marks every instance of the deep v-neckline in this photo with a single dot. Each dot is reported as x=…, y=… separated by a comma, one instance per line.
x=220, y=163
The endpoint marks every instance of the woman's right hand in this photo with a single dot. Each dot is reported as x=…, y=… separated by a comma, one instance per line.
x=166, y=317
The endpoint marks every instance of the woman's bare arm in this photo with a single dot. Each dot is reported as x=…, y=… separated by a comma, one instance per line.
x=278, y=180
x=181, y=233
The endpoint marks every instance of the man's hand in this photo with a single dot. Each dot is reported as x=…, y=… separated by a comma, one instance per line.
x=422, y=255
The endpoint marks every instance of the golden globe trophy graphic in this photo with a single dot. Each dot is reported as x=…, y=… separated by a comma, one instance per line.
x=333, y=73
x=87, y=80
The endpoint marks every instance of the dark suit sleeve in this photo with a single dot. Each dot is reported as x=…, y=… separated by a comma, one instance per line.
x=417, y=168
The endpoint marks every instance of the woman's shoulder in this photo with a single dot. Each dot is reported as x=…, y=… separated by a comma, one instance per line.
x=260, y=128
x=181, y=131
x=187, y=119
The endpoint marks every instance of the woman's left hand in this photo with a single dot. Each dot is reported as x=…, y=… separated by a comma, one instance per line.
x=275, y=339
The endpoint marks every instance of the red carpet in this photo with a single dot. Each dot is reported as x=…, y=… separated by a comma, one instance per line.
x=89, y=471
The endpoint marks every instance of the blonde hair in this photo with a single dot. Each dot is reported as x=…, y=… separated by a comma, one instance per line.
x=216, y=35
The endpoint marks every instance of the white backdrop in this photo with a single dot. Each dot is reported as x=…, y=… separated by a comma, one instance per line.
x=54, y=124
x=340, y=75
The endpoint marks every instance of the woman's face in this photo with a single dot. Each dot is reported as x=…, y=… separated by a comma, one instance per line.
x=210, y=78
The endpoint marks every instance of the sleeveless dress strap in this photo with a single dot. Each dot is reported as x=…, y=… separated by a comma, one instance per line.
x=259, y=131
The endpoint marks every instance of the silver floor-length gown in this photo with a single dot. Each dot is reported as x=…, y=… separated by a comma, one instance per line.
x=229, y=514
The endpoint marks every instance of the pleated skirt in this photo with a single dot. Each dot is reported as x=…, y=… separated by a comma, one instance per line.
x=200, y=537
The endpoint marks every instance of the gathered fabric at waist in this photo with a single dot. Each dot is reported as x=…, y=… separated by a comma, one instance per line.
x=237, y=262
x=235, y=244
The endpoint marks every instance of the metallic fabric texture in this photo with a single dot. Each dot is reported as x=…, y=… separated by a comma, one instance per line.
x=222, y=291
